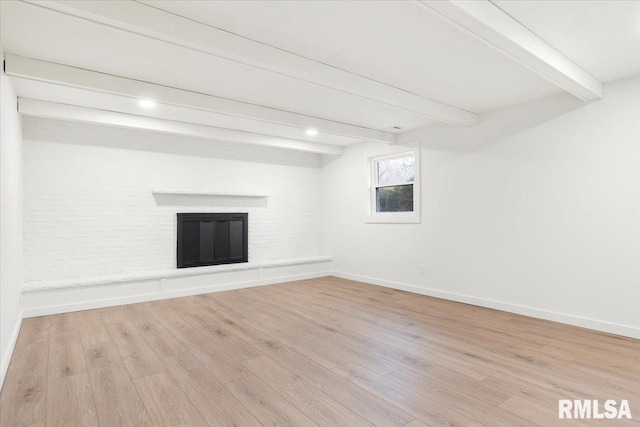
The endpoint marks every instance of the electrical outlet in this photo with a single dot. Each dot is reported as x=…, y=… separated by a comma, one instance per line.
x=423, y=269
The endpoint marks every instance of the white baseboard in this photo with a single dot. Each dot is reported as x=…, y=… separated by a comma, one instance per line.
x=584, y=322
x=61, y=300
x=4, y=363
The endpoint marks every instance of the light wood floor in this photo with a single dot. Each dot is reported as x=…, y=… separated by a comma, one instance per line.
x=317, y=352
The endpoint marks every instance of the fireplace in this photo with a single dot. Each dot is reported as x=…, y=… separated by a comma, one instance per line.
x=212, y=239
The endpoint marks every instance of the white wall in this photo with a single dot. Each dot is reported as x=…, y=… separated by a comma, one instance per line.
x=10, y=221
x=90, y=211
x=526, y=213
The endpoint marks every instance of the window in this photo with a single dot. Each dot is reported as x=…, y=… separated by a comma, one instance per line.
x=395, y=188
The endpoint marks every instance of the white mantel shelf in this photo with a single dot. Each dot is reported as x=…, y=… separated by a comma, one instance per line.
x=210, y=193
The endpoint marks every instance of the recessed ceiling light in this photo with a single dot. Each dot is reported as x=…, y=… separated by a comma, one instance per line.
x=311, y=132
x=146, y=103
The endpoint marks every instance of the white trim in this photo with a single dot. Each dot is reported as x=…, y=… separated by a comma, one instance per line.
x=6, y=360
x=61, y=300
x=374, y=217
x=584, y=322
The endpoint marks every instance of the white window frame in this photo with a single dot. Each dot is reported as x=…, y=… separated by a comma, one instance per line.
x=394, y=217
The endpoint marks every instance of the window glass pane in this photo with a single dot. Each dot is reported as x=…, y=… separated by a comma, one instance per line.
x=398, y=198
x=396, y=171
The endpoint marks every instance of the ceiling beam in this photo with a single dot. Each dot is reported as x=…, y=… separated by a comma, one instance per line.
x=493, y=26
x=52, y=92
x=151, y=21
x=52, y=110
x=44, y=71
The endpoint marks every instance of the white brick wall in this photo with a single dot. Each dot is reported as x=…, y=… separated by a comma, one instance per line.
x=89, y=210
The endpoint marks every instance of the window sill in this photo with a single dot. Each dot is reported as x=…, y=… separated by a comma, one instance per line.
x=393, y=218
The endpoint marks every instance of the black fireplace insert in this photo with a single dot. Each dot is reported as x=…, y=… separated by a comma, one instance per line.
x=212, y=239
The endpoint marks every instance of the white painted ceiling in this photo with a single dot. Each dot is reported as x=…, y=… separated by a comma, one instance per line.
x=40, y=33
x=368, y=64
x=395, y=42
x=601, y=36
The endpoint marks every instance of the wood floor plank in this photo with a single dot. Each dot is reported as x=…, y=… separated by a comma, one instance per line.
x=161, y=341
x=112, y=315
x=137, y=356
x=323, y=343
x=166, y=402
x=66, y=355
x=116, y=399
x=608, y=368
x=166, y=312
x=63, y=323
x=33, y=330
x=623, y=388
x=23, y=397
x=476, y=401
x=265, y=404
x=70, y=402
x=415, y=404
x=536, y=414
x=223, y=317
x=366, y=404
x=562, y=379
x=200, y=385
x=451, y=384
x=137, y=313
x=187, y=335
x=309, y=400
x=231, y=301
x=92, y=328
x=292, y=334
x=221, y=364
x=394, y=349
x=220, y=335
